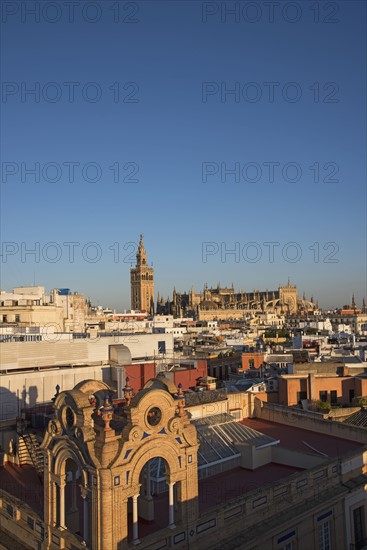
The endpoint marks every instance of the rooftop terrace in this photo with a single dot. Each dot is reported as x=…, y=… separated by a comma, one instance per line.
x=307, y=441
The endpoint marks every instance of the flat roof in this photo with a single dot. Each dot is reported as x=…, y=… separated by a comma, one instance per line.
x=220, y=488
x=23, y=482
x=299, y=439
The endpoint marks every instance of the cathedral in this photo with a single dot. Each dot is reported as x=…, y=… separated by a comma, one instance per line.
x=224, y=303
x=217, y=303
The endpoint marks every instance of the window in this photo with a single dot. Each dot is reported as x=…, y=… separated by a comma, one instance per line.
x=301, y=395
x=324, y=536
x=17, y=318
x=162, y=347
x=351, y=395
x=358, y=527
x=287, y=541
x=154, y=416
x=323, y=396
x=333, y=397
x=251, y=363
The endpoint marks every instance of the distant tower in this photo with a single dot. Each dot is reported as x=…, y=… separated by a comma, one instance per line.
x=142, y=282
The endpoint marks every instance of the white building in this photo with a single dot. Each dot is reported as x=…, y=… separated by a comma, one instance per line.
x=30, y=370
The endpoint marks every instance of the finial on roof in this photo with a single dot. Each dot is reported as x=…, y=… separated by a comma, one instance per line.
x=107, y=412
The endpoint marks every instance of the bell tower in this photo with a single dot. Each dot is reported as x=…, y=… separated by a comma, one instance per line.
x=142, y=282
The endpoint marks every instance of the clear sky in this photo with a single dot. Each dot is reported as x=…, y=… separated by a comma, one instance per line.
x=132, y=128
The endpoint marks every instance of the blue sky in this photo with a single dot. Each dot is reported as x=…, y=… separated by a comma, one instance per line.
x=150, y=97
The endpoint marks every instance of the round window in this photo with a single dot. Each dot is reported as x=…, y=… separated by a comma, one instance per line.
x=154, y=416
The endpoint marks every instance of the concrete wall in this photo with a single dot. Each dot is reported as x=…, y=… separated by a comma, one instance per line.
x=268, y=397
x=208, y=409
x=297, y=459
x=238, y=404
x=309, y=421
x=341, y=413
x=29, y=388
x=56, y=351
x=252, y=458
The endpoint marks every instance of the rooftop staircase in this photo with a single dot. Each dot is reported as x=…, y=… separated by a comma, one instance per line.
x=29, y=451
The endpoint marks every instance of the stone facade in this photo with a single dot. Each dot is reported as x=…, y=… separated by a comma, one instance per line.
x=99, y=454
x=224, y=303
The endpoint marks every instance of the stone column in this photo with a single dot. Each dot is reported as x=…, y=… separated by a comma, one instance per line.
x=62, y=502
x=171, y=502
x=94, y=511
x=106, y=515
x=74, y=506
x=84, y=494
x=146, y=503
x=53, y=503
x=135, y=520
x=148, y=488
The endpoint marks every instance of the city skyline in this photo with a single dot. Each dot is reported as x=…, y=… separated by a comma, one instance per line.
x=183, y=320
x=118, y=297
x=192, y=126
x=344, y=300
